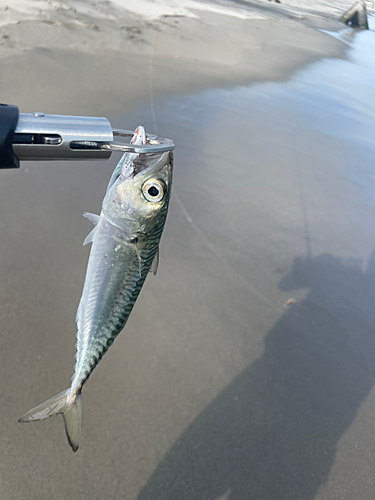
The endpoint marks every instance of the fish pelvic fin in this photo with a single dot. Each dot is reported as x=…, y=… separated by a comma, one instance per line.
x=90, y=237
x=69, y=406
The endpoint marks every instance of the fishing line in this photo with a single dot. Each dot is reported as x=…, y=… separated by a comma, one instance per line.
x=220, y=257
x=305, y=221
x=151, y=87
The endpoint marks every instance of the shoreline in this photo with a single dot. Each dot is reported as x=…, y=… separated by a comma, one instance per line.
x=98, y=66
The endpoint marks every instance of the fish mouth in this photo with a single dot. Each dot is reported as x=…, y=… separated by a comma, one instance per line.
x=143, y=163
x=151, y=162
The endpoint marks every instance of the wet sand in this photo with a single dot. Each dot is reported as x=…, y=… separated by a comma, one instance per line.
x=214, y=390
x=68, y=61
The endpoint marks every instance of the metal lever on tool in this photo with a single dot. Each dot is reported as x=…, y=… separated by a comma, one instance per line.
x=37, y=136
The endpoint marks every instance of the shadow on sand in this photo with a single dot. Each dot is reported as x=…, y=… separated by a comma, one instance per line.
x=273, y=432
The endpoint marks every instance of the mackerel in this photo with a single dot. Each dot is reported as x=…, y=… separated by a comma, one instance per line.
x=125, y=247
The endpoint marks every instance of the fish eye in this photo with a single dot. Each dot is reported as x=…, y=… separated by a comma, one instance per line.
x=153, y=190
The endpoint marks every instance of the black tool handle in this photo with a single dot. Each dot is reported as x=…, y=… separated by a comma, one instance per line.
x=8, y=122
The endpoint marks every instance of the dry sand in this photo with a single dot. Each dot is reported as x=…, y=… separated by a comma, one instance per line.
x=98, y=58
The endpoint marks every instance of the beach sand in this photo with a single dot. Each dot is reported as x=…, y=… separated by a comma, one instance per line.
x=216, y=390
x=120, y=57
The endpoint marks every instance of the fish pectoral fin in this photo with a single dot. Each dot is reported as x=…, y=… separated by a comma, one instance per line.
x=71, y=412
x=155, y=263
x=135, y=243
x=89, y=238
x=92, y=217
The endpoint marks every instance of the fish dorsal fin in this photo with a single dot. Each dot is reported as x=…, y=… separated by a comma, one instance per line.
x=92, y=217
x=78, y=315
x=155, y=263
x=89, y=238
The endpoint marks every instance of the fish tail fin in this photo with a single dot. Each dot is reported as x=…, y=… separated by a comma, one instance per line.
x=69, y=406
